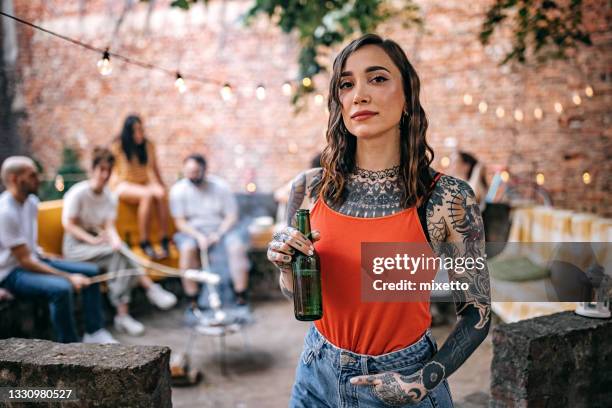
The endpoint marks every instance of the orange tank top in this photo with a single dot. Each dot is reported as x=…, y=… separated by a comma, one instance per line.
x=372, y=328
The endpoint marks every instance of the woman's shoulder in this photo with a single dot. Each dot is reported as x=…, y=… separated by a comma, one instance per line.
x=448, y=185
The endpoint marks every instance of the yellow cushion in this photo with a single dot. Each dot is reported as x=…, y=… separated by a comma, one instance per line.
x=51, y=232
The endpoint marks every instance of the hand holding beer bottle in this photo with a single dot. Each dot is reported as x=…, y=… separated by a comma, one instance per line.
x=293, y=252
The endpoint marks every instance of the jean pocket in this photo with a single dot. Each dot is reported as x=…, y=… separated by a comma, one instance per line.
x=307, y=355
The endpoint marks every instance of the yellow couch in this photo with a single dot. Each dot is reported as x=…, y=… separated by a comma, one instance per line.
x=51, y=232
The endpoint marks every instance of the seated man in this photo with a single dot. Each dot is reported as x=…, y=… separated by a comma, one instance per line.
x=88, y=217
x=26, y=274
x=204, y=211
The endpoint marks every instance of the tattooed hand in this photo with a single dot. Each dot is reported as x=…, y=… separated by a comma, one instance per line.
x=393, y=388
x=286, y=242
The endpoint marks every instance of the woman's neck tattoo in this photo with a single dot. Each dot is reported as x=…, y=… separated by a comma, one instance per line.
x=371, y=193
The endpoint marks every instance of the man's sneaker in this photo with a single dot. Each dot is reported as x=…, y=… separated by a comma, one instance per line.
x=127, y=324
x=101, y=336
x=160, y=297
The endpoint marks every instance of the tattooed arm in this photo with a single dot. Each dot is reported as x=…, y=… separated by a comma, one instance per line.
x=303, y=195
x=455, y=226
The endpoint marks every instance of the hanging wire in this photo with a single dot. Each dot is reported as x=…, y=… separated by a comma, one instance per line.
x=117, y=56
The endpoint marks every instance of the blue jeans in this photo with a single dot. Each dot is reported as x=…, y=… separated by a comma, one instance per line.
x=219, y=265
x=59, y=293
x=324, y=370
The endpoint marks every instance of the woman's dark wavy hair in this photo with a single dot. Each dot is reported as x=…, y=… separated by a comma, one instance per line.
x=128, y=145
x=338, y=158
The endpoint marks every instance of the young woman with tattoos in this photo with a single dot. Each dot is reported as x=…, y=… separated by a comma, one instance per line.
x=375, y=185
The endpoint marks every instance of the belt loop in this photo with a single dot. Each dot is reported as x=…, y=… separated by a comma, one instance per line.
x=429, y=336
x=364, y=365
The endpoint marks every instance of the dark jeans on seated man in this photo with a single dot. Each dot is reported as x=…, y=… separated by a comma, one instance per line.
x=218, y=264
x=59, y=292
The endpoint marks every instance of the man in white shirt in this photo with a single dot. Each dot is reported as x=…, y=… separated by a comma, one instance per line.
x=89, y=216
x=204, y=210
x=25, y=274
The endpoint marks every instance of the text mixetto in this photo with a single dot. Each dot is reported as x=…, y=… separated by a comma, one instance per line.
x=422, y=286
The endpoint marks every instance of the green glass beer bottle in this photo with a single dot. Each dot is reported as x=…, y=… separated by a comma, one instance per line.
x=307, y=299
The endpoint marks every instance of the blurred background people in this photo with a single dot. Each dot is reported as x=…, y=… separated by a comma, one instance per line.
x=467, y=167
x=25, y=273
x=88, y=217
x=204, y=211
x=137, y=180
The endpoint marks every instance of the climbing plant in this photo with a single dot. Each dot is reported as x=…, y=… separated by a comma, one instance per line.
x=542, y=29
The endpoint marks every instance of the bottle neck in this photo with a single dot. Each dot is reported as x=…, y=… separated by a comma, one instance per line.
x=303, y=224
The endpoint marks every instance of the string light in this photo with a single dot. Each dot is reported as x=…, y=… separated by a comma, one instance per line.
x=445, y=161
x=251, y=187
x=260, y=92
x=104, y=64
x=318, y=99
x=576, y=99
x=518, y=115
x=505, y=176
x=180, y=83
x=467, y=99
x=226, y=92
x=500, y=112
x=538, y=113
x=558, y=107
x=59, y=183
x=586, y=177
x=307, y=82
x=540, y=179
x=588, y=91
x=482, y=107
x=287, y=88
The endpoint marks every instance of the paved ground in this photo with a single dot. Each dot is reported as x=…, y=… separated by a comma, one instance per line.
x=260, y=372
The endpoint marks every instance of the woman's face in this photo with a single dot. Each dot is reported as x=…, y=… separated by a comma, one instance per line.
x=371, y=93
x=138, y=133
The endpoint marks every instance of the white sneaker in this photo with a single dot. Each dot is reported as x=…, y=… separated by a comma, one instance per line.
x=101, y=336
x=127, y=324
x=160, y=297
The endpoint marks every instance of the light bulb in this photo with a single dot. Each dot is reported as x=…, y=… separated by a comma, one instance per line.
x=226, y=92
x=467, y=99
x=180, y=83
x=576, y=99
x=505, y=176
x=538, y=113
x=445, y=161
x=104, y=64
x=558, y=107
x=287, y=89
x=500, y=112
x=251, y=187
x=540, y=179
x=586, y=177
x=319, y=99
x=292, y=148
x=260, y=92
x=307, y=82
x=59, y=183
x=588, y=91
x=518, y=115
x=482, y=107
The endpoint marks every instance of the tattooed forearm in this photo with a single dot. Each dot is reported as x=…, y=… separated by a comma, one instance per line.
x=286, y=292
x=456, y=230
x=296, y=197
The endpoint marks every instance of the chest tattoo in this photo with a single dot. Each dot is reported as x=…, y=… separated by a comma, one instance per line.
x=370, y=194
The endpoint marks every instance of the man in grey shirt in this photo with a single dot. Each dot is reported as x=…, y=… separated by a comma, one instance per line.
x=26, y=274
x=204, y=211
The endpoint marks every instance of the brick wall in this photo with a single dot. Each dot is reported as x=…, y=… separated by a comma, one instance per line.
x=69, y=102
